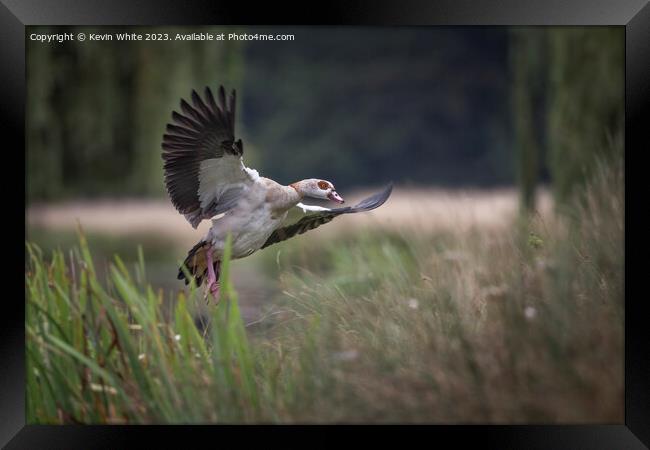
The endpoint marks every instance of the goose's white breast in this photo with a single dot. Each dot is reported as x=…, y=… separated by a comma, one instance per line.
x=250, y=223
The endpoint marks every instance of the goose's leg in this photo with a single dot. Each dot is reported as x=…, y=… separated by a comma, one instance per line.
x=213, y=285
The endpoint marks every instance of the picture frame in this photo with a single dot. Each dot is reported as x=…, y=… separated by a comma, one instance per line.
x=634, y=15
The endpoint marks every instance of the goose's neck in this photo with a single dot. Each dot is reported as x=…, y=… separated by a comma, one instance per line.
x=294, y=193
x=284, y=198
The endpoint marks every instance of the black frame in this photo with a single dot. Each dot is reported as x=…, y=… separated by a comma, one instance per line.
x=633, y=14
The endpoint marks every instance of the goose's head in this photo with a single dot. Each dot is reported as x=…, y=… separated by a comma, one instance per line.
x=316, y=188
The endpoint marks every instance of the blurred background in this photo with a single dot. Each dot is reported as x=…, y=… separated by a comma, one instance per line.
x=478, y=127
x=445, y=107
x=472, y=124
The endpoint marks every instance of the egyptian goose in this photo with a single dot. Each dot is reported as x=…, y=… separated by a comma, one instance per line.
x=205, y=178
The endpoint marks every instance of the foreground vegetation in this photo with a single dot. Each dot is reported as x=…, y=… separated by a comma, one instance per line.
x=521, y=324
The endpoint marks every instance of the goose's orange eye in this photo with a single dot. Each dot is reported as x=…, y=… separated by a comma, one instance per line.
x=323, y=185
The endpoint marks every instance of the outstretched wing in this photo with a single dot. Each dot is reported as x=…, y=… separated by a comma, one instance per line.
x=204, y=171
x=315, y=220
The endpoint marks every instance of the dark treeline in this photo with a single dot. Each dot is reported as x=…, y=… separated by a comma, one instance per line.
x=96, y=111
x=364, y=105
x=430, y=106
x=567, y=104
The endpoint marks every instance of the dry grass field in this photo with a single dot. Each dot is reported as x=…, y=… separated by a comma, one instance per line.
x=120, y=225
x=440, y=306
x=421, y=210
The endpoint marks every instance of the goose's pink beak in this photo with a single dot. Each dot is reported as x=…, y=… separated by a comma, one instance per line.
x=335, y=197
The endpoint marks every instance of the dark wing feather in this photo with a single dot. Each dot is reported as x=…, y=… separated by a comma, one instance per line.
x=315, y=220
x=204, y=130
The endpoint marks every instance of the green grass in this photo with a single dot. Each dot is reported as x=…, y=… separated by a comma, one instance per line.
x=518, y=325
x=108, y=354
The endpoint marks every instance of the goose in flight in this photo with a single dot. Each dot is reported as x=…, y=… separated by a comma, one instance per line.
x=206, y=178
